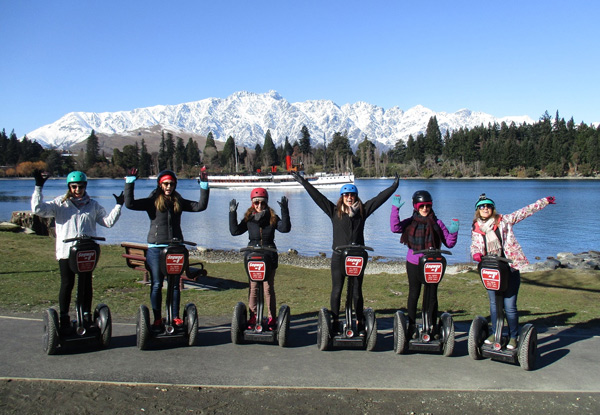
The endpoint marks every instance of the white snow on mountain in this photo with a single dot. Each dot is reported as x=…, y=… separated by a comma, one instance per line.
x=247, y=116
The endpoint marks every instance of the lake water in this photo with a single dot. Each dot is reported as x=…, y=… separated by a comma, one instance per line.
x=569, y=226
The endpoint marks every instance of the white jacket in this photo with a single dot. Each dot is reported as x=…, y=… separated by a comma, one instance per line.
x=70, y=221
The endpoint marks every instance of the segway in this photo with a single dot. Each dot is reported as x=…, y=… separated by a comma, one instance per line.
x=83, y=258
x=258, y=265
x=429, y=336
x=354, y=259
x=494, y=272
x=174, y=261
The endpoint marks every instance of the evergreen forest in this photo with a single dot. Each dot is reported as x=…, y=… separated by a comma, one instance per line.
x=551, y=147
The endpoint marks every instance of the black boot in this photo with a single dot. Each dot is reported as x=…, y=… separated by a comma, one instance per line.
x=65, y=324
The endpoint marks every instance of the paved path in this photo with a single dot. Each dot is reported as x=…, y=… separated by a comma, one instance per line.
x=567, y=362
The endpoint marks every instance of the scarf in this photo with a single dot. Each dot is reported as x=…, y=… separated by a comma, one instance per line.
x=422, y=232
x=494, y=246
x=80, y=202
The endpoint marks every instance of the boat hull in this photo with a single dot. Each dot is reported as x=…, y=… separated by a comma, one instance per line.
x=286, y=181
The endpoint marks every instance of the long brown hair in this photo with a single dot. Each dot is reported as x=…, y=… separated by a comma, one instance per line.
x=341, y=208
x=251, y=211
x=162, y=201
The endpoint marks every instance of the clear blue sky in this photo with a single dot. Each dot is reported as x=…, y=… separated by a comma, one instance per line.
x=502, y=58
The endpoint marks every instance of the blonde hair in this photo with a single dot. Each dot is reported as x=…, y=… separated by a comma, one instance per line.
x=494, y=215
x=162, y=202
x=341, y=208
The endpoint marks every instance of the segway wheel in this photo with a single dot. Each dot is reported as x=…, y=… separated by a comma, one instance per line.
x=478, y=332
x=400, y=327
x=104, y=322
x=447, y=326
x=238, y=322
x=324, y=330
x=190, y=317
x=528, y=347
x=142, y=328
x=50, y=339
x=371, y=326
x=283, y=325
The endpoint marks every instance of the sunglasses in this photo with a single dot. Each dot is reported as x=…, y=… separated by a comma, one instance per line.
x=349, y=194
x=168, y=184
x=486, y=206
x=259, y=203
x=77, y=186
x=425, y=205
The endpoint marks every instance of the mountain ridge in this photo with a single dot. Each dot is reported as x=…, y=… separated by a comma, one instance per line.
x=247, y=116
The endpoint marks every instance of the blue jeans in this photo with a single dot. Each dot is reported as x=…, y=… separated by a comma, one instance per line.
x=510, y=304
x=153, y=265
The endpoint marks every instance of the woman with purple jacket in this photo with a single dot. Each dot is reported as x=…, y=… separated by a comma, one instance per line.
x=422, y=230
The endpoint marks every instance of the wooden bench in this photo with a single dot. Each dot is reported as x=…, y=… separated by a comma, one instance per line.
x=135, y=256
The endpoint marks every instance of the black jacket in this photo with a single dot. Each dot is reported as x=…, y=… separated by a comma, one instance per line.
x=261, y=232
x=164, y=226
x=348, y=230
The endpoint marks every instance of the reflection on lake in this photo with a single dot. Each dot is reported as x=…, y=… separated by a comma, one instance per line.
x=570, y=225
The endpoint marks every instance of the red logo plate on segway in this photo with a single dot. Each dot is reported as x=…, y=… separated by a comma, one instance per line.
x=490, y=278
x=86, y=261
x=354, y=265
x=175, y=264
x=256, y=270
x=433, y=272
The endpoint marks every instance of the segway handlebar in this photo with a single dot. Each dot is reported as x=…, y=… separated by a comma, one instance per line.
x=85, y=238
x=258, y=248
x=177, y=241
x=497, y=257
x=432, y=251
x=342, y=247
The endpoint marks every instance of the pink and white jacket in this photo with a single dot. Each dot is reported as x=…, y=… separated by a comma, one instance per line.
x=511, y=247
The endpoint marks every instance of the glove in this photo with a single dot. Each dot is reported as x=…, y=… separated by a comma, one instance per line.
x=131, y=176
x=396, y=201
x=203, y=179
x=454, y=225
x=298, y=178
x=551, y=200
x=203, y=174
x=477, y=257
x=284, y=202
x=40, y=177
x=119, y=199
x=233, y=205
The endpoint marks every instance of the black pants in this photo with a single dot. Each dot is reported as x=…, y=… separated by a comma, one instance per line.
x=337, y=285
x=67, y=282
x=414, y=291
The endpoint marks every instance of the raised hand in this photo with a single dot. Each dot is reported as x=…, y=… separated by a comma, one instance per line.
x=551, y=200
x=283, y=203
x=40, y=177
x=297, y=177
x=233, y=205
x=397, y=201
x=119, y=199
x=454, y=226
x=203, y=174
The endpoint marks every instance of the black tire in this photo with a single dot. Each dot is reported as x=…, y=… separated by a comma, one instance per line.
x=50, y=338
x=283, y=328
x=371, y=326
x=142, y=328
x=528, y=347
x=478, y=332
x=104, y=321
x=190, y=318
x=447, y=329
x=400, y=327
x=238, y=323
x=324, y=330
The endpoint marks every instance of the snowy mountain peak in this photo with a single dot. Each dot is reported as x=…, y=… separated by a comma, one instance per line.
x=247, y=116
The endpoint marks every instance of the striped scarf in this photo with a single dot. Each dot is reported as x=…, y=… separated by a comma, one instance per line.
x=423, y=232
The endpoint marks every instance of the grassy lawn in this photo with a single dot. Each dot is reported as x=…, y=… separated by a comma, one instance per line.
x=29, y=283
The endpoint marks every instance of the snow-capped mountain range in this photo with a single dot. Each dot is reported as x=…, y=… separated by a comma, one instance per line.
x=247, y=116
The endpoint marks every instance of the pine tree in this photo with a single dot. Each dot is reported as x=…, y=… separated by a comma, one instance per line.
x=92, y=150
x=228, y=154
x=269, y=152
x=433, y=139
x=180, y=156
x=145, y=165
x=192, y=152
